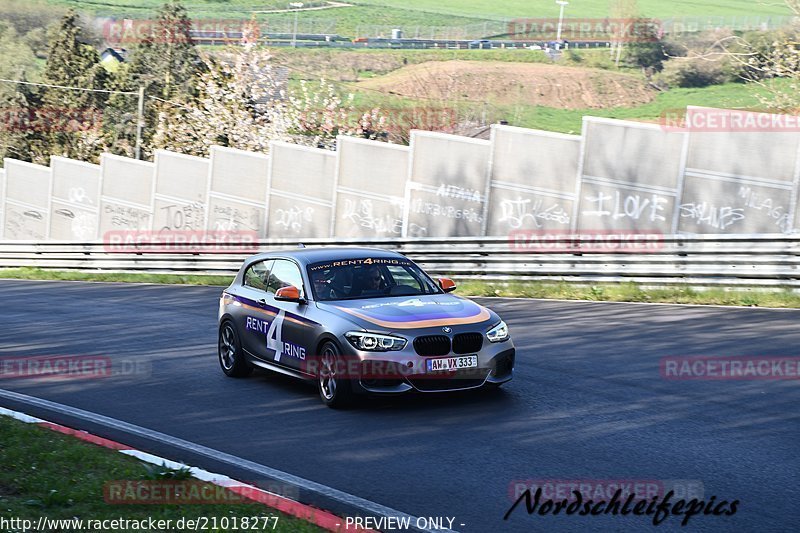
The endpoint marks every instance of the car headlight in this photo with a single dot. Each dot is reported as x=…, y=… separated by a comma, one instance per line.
x=499, y=333
x=372, y=342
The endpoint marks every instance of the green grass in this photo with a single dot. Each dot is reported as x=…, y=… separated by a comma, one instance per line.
x=477, y=9
x=174, y=279
x=350, y=66
x=59, y=477
x=582, y=8
x=631, y=292
x=346, y=67
x=729, y=95
x=411, y=15
x=607, y=292
x=195, y=7
x=347, y=21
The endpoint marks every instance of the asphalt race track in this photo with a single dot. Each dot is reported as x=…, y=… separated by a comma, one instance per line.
x=587, y=403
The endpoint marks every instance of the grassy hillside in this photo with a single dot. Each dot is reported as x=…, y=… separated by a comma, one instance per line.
x=477, y=9
x=731, y=95
x=445, y=19
x=582, y=8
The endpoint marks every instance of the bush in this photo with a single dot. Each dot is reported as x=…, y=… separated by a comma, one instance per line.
x=769, y=52
x=701, y=59
x=673, y=48
x=694, y=73
x=574, y=56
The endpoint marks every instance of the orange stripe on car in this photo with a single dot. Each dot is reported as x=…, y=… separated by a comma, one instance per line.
x=480, y=317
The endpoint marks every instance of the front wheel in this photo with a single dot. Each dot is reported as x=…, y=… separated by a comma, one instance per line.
x=335, y=389
x=231, y=356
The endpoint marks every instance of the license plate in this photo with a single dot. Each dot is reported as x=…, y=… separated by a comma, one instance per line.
x=452, y=363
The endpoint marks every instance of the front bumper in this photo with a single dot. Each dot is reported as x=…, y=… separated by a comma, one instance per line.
x=405, y=371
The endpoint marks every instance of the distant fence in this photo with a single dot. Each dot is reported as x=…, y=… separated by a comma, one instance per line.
x=671, y=27
x=617, y=176
x=319, y=28
x=743, y=261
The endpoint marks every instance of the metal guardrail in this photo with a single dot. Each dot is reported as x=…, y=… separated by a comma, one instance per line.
x=749, y=261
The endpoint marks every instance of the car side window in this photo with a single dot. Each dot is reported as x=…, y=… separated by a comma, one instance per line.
x=256, y=275
x=283, y=274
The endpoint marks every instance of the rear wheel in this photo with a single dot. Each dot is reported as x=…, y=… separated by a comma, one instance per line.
x=335, y=389
x=231, y=356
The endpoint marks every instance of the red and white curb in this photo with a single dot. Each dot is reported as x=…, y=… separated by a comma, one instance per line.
x=318, y=517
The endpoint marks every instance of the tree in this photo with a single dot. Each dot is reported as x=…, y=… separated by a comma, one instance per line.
x=241, y=103
x=769, y=60
x=166, y=62
x=237, y=104
x=775, y=66
x=317, y=114
x=17, y=60
x=168, y=66
x=17, y=138
x=646, y=49
x=63, y=121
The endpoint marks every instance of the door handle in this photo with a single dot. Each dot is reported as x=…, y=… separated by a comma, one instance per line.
x=262, y=302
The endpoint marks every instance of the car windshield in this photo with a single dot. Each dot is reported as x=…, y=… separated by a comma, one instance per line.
x=368, y=277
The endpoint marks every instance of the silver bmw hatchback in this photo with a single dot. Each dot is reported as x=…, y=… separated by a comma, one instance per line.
x=358, y=321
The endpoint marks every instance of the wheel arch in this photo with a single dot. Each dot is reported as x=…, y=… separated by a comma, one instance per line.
x=324, y=337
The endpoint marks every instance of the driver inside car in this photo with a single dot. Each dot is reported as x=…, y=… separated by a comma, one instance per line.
x=370, y=281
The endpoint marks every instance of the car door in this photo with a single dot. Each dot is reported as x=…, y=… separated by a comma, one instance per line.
x=287, y=339
x=256, y=316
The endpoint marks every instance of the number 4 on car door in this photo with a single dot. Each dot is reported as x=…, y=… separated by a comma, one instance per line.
x=274, y=336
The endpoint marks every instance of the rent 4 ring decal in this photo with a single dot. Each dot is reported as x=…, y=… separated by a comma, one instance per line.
x=273, y=331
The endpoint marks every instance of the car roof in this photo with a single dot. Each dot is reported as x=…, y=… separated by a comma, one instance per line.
x=311, y=255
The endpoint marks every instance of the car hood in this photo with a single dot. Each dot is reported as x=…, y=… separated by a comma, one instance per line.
x=410, y=312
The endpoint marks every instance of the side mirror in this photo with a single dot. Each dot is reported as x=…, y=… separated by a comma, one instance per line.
x=289, y=294
x=447, y=284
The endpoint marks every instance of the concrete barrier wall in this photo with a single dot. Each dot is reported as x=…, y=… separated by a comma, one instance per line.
x=238, y=193
x=180, y=201
x=302, y=187
x=75, y=200
x=370, y=188
x=27, y=201
x=448, y=186
x=2, y=200
x=617, y=176
x=126, y=195
x=629, y=176
x=740, y=181
x=534, y=179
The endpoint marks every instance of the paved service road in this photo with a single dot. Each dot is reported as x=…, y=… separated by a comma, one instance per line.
x=587, y=402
